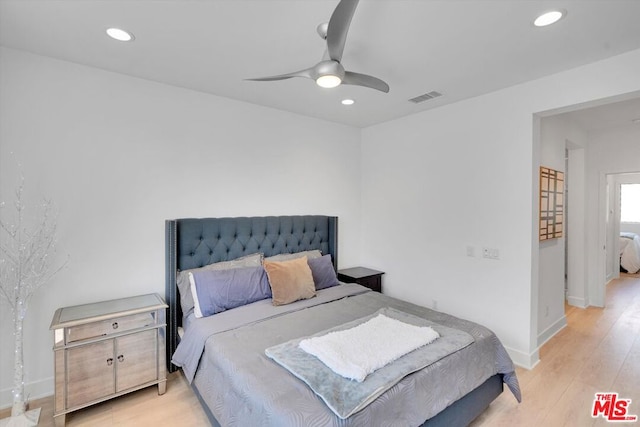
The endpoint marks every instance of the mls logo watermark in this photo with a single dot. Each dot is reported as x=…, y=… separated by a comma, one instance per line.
x=611, y=408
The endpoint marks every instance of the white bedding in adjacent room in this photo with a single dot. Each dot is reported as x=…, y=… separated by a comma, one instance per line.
x=630, y=252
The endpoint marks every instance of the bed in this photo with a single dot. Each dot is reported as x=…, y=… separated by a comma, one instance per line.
x=630, y=252
x=224, y=357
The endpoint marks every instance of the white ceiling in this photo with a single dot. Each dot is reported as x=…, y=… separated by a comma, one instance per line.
x=610, y=115
x=459, y=48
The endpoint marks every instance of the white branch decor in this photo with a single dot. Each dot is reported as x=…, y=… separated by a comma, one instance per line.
x=26, y=264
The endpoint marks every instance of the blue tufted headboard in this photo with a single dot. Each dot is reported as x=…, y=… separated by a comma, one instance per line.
x=196, y=242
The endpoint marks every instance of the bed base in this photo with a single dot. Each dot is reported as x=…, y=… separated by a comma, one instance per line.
x=459, y=414
x=205, y=407
x=470, y=406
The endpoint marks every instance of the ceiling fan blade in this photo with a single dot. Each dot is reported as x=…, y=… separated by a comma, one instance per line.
x=302, y=73
x=357, y=79
x=338, y=28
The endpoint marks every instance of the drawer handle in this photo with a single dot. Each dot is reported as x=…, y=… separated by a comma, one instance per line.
x=120, y=358
x=110, y=361
x=114, y=325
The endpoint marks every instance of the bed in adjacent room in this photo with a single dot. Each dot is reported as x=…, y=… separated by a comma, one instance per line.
x=241, y=348
x=630, y=252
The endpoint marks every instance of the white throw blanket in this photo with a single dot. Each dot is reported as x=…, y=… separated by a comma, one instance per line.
x=355, y=353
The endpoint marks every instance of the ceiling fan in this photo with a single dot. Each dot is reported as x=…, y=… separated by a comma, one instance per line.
x=329, y=72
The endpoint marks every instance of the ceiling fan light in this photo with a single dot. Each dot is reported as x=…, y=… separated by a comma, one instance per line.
x=328, y=81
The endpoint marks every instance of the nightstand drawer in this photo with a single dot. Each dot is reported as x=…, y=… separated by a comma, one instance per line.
x=110, y=326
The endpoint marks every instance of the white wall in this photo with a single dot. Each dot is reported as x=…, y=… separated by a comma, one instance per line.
x=463, y=175
x=551, y=252
x=609, y=151
x=558, y=134
x=439, y=181
x=119, y=155
x=576, y=228
x=554, y=134
x=630, y=227
x=612, y=230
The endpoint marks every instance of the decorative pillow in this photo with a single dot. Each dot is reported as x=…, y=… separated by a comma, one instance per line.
x=324, y=276
x=184, y=286
x=288, y=257
x=290, y=280
x=215, y=291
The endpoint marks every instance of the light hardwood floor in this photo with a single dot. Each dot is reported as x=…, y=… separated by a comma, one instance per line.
x=599, y=351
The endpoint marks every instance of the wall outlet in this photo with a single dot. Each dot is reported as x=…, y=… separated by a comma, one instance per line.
x=490, y=253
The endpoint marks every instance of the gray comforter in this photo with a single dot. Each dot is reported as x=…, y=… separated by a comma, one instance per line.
x=224, y=356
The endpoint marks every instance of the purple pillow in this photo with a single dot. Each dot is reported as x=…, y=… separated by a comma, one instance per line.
x=324, y=276
x=215, y=291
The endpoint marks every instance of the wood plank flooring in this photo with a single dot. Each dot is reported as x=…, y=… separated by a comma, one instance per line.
x=177, y=407
x=599, y=351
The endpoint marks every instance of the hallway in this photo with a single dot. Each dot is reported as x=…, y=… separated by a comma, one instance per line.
x=598, y=351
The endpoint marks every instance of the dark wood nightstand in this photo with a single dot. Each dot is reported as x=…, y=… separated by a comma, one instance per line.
x=372, y=279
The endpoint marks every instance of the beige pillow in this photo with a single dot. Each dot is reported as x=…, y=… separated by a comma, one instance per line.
x=290, y=280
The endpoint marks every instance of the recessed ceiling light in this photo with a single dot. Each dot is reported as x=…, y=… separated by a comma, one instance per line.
x=549, y=18
x=348, y=102
x=120, y=35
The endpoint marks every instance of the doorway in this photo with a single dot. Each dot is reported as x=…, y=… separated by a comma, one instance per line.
x=613, y=224
x=589, y=142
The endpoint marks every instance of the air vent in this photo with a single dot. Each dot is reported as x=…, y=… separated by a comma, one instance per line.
x=425, y=97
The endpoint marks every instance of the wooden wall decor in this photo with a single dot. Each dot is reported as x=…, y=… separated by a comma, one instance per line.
x=551, y=203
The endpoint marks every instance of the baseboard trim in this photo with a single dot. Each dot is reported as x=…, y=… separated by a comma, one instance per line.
x=548, y=333
x=577, y=302
x=32, y=391
x=523, y=360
